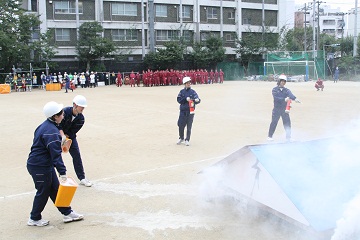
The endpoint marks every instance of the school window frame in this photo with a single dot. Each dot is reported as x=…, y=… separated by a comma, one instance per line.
x=211, y=13
x=166, y=35
x=62, y=34
x=67, y=7
x=124, y=35
x=231, y=15
x=124, y=9
x=186, y=11
x=161, y=10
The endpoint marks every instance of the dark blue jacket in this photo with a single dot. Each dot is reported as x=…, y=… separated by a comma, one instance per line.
x=46, y=148
x=280, y=95
x=181, y=98
x=69, y=126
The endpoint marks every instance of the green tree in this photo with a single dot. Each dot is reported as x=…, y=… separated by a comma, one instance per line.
x=199, y=56
x=215, y=49
x=253, y=45
x=294, y=39
x=16, y=43
x=165, y=58
x=91, y=45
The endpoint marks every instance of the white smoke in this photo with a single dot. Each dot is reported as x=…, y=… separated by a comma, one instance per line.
x=348, y=227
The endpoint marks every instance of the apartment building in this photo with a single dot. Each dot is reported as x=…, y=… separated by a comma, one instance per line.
x=144, y=25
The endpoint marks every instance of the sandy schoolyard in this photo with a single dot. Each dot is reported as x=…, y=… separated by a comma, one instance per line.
x=146, y=186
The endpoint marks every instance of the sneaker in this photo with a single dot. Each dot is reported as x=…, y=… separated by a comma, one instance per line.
x=180, y=141
x=187, y=143
x=86, y=182
x=38, y=223
x=270, y=139
x=73, y=216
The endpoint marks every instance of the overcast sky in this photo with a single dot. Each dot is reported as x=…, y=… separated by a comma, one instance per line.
x=344, y=5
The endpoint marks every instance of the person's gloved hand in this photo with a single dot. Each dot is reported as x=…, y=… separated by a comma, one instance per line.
x=197, y=100
x=287, y=99
x=297, y=100
x=63, y=139
x=63, y=178
x=188, y=99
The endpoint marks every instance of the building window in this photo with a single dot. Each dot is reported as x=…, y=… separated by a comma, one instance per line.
x=186, y=11
x=167, y=35
x=211, y=13
x=124, y=9
x=246, y=21
x=231, y=15
x=329, y=22
x=229, y=37
x=187, y=35
x=204, y=36
x=62, y=34
x=124, y=35
x=161, y=11
x=66, y=7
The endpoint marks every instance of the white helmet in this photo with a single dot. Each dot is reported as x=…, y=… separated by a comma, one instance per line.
x=282, y=77
x=80, y=101
x=186, y=79
x=52, y=108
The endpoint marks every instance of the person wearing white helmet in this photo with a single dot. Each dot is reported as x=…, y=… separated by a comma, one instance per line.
x=71, y=124
x=281, y=96
x=44, y=157
x=187, y=98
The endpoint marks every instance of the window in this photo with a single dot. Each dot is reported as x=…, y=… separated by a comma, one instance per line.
x=211, y=13
x=166, y=35
x=66, y=7
x=124, y=35
x=204, y=36
x=125, y=9
x=62, y=34
x=186, y=11
x=187, y=35
x=229, y=37
x=161, y=10
x=246, y=21
x=231, y=15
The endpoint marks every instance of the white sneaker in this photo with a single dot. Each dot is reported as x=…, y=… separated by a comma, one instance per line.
x=38, y=223
x=187, y=143
x=270, y=139
x=86, y=182
x=73, y=216
x=180, y=141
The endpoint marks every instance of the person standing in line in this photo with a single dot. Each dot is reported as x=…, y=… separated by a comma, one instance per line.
x=67, y=83
x=69, y=126
x=336, y=75
x=44, y=157
x=281, y=96
x=186, y=97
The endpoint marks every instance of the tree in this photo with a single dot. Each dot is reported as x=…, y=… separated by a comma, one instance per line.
x=215, y=50
x=165, y=58
x=294, y=39
x=252, y=45
x=16, y=43
x=91, y=45
x=199, y=56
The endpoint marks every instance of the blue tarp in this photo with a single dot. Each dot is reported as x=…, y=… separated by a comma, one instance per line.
x=320, y=177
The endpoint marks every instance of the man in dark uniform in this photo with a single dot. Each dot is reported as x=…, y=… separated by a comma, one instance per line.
x=70, y=125
x=185, y=98
x=281, y=96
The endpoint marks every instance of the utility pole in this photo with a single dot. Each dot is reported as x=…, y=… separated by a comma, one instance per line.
x=355, y=29
x=314, y=35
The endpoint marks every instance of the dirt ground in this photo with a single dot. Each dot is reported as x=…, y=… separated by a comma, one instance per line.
x=146, y=186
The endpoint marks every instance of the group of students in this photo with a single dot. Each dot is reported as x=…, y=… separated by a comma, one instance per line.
x=46, y=155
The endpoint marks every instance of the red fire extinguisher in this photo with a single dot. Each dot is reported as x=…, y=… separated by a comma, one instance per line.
x=192, y=106
x=288, y=106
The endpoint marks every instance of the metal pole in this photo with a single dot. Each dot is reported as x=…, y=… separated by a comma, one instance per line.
x=305, y=9
x=151, y=25
x=355, y=29
x=221, y=19
x=142, y=29
x=314, y=42
x=181, y=18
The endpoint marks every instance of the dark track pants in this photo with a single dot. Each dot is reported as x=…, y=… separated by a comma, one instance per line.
x=185, y=120
x=276, y=114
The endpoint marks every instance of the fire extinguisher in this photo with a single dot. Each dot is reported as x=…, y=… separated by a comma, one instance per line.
x=288, y=106
x=192, y=106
